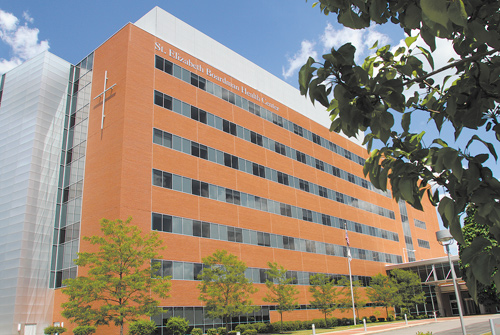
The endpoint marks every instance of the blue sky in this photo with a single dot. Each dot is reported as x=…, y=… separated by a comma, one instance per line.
x=277, y=35
x=269, y=33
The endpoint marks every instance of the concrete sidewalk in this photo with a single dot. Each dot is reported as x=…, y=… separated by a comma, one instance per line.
x=475, y=325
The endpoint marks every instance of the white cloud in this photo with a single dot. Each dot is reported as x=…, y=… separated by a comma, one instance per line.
x=27, y=17
x=22, y=40
x=363, y=40
x=8, y=21
x=300, y=58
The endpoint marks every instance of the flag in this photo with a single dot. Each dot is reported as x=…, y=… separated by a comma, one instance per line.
x=348, y=246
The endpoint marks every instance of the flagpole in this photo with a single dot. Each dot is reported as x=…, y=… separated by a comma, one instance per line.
x=352, y=292
x=349, y=258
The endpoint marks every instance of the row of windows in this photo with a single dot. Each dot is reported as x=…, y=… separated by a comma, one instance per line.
x=190, y=271
x=68, y=208
x=222, y=93
x=197, y=316
x=229, y=127
x=420, y=224
x=184, y=226
x=423, y=243
x=199, y=150
x=199, y=188
x=406, y=231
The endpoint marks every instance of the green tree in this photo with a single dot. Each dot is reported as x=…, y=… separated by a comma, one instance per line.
x=177, y=326
x=487, y=295
x=84, y=330
x=324, y=293
x=120, y=284
x=409, y=291
x=224, y=288
x=346, y=300
x=382, y=291
x=365, y=97
x=51, y=330
x=280, y=290
x=142, y=327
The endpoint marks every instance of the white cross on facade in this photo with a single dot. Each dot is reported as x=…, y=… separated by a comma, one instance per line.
x=104, y=95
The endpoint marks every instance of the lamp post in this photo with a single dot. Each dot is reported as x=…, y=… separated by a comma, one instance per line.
x=444, y=238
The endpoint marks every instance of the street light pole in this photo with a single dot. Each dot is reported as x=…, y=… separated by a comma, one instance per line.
x=444, y=238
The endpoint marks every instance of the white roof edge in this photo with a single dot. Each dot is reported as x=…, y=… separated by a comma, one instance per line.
x=172, y=30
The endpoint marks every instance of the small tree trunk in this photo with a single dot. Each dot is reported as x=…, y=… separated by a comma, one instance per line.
x=121, y=329
x=326, y=325
x=281, y=328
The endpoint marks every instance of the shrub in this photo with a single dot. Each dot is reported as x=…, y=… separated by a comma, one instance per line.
x=211, y=331
x=196, y=331
x=232, y=332
x=177, y=325
x=422, y=333
x=307, y=324
x=373, y=318
x=142, y=327
x=221, y=331
x=50, y=330
x=262, y=327
x=390, y=317
x=242, y=327
x=331, y=322
x=250, y=332
x=319, y=323
x=381, y=319
x=84, y=330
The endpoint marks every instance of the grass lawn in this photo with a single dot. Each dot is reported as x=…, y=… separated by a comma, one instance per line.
x=328, y=330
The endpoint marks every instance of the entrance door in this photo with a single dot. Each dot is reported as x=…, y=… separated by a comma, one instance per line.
x=454, y=307
x=30, y=330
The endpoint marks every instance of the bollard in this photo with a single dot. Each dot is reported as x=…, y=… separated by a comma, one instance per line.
x=364, y=323
x=406, y=320
x=314, y=329
x=492, y=327
x=435, y=317
x=238, y=333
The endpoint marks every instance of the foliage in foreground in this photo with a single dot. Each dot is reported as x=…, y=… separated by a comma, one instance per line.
x=121, y=283
x=487, y=295
x=366, y=97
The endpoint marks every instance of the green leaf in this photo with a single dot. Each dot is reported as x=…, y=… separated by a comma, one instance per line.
x=410, y=40
x=406, y=188
x=435, y=10
x=412, y=17
x=490, y=146
x=457, y=13
x=405, y=121
x=350, y=19
x=377, y=9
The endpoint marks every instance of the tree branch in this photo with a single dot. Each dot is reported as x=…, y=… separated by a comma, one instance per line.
x=452, y=65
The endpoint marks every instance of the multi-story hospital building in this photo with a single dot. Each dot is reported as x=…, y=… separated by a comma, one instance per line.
x=166, y=125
